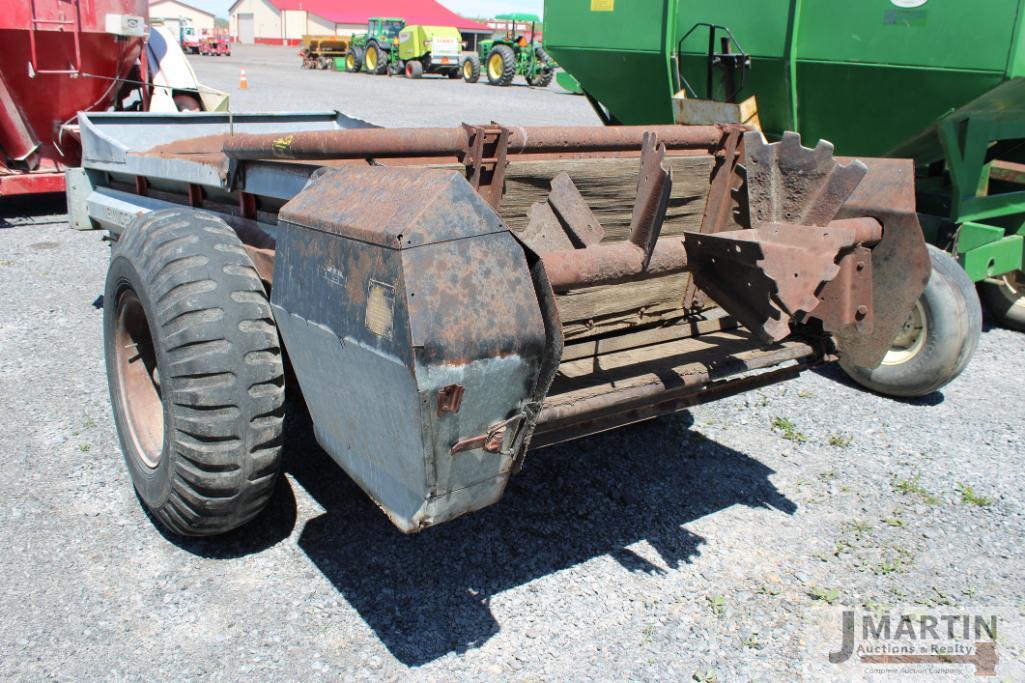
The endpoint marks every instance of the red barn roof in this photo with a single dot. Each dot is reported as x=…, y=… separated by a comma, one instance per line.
x=426, y=12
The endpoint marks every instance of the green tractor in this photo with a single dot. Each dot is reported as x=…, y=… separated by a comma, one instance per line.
x=508, y=54
x=373, y=51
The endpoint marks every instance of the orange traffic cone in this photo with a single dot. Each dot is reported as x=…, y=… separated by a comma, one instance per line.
x=243, y=82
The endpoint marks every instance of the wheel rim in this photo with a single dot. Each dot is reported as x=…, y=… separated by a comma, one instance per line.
x=409, y=70
x=350, y=62
x=1012, y=288
x=467, y=69
x=911, y=339
x=372, y=58
x=139, y=379
x=496, y=66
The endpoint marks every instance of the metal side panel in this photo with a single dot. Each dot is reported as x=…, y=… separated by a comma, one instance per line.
x=417, y=347
x=108, y=138
x=366, y=414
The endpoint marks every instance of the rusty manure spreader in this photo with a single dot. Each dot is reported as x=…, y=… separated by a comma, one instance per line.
x=450, y=298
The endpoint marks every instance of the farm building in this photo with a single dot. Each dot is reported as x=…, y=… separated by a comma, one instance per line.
x=173, y=12
x=284, y=22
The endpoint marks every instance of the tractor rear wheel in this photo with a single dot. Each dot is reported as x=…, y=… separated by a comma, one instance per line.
x=1005, y=299
x=194, y=370
x=414, y=69
x=938, y=339
x=501, y=66
x=471, y=68
x=354, y=60
x=376, y=59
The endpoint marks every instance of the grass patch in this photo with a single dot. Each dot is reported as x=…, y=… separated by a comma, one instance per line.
x=913, y=486
x=840, y=440
x=717, y=603
x=789, y=430
x=897, y=563
x=970, y=497
x=826, y=595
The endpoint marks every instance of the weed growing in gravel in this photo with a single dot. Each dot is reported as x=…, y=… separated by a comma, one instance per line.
x=897, y=563
x=840, y=440
x=914, y=486
x=766, y=589
x=970, y=497
x=717, y=603
x=88, y=422
x=941, y=597
x=859, y=527
x=894, y=519
x=827, y=595
x=876, y=608
x=706, y=676
x=969, y=592
x=789, y=430
x=84, y=447
x=752, y=642
x=6, y=262
x=828, y=475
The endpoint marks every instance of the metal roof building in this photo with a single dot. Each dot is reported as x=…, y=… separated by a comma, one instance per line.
x=284, y=22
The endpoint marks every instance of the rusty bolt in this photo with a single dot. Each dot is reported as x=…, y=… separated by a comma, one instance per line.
x=861, y=312
x=860, y=267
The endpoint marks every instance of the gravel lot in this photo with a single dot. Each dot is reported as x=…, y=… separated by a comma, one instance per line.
x=691, y=544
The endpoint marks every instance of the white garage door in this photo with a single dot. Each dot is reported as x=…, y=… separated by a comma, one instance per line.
x=246, y=33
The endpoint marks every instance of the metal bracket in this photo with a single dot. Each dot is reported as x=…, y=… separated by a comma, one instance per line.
x=490, y=442
x=485, y=160
x=788, y=183
x=654, y=185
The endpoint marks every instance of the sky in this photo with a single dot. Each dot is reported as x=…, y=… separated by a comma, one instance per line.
x=467, y=8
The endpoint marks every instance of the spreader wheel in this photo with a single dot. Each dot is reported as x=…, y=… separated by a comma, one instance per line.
x=937, y=340
x=195, y=372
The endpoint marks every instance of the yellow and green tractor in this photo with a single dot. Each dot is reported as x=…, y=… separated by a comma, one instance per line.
x=511, y=53
x=427, y=50
x=372, y=50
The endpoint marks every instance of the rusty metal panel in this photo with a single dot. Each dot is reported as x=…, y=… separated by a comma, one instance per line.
x=900, y=261
x=394, y=207
x=410, y=334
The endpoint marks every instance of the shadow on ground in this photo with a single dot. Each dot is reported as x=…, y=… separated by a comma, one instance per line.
x=28, y=209
x=427, y=595
x=834, y=372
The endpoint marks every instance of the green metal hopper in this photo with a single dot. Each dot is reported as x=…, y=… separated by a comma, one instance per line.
x=940, y=81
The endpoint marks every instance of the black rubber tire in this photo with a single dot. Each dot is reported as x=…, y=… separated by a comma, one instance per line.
x=357, y=60
x=382, y=58
x=414, y=69
x=543, y=80
x=953, y=324
x=215, y=347
x=508, y=66
x=474, y=74
x=454, y=73
x=1005, y=301
x=396, y=68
